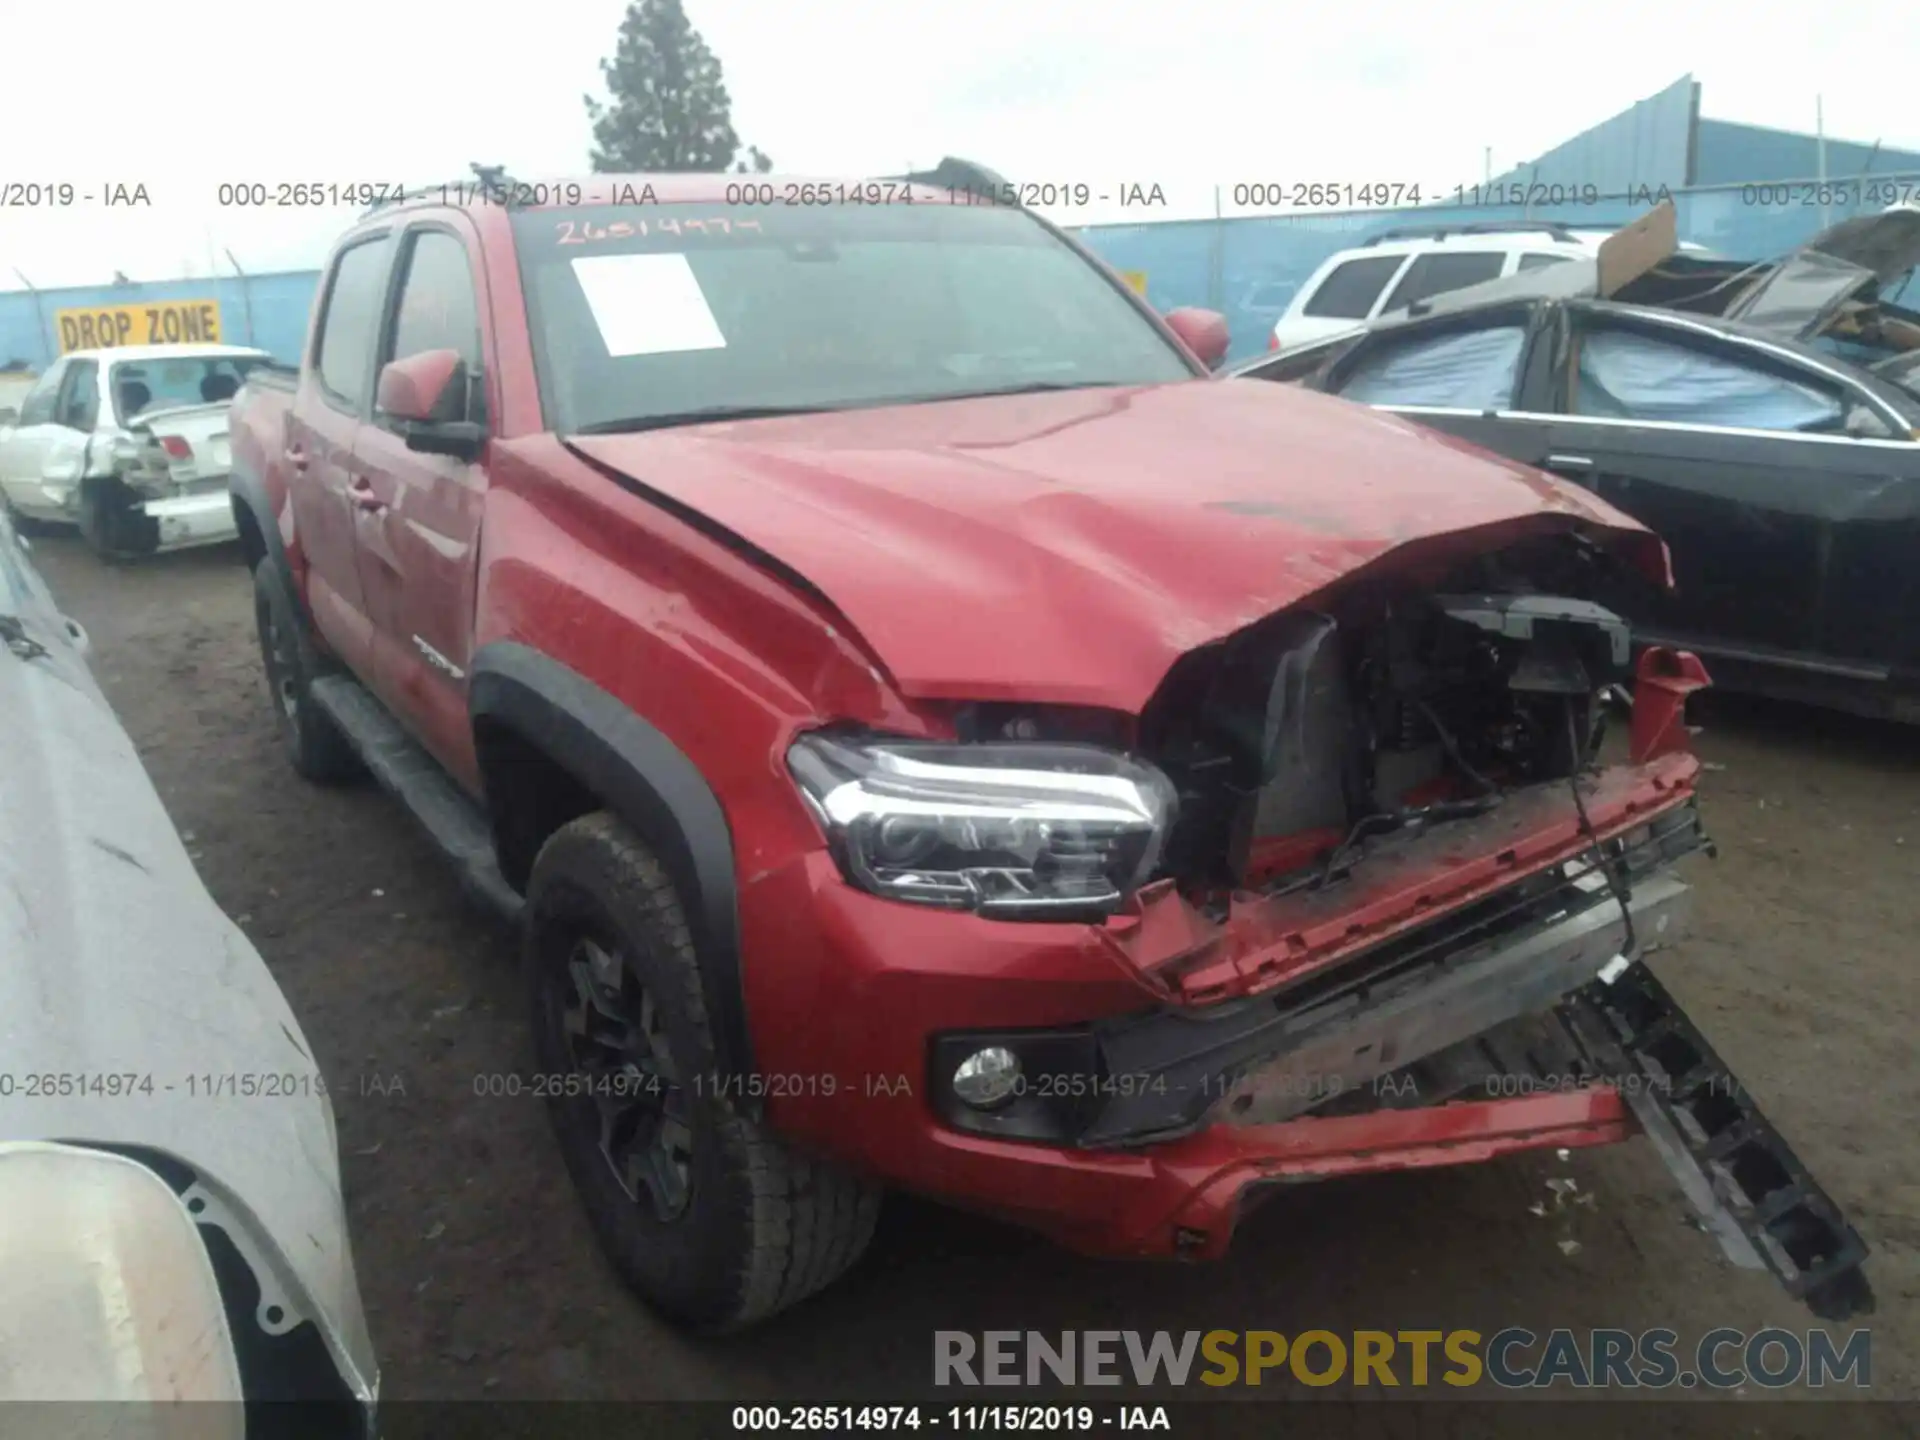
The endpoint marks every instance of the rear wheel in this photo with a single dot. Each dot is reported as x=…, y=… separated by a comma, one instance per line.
x=315, y=746
x=703, y=1211
x=112, y=523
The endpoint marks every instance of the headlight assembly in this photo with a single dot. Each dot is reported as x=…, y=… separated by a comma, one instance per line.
x=1009, y=830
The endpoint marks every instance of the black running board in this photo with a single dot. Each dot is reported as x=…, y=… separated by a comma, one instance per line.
x=1752, y=1191
x=453, y=820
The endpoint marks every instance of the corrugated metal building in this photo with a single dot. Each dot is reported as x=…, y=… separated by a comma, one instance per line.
x=1718, y=172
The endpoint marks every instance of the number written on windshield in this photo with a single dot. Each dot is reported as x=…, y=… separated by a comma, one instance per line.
x=583, y=232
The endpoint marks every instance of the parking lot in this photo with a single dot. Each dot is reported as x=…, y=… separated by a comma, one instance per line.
x=482, y=1282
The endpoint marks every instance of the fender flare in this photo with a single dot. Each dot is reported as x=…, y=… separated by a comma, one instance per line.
x=645, y=779
x=247, y=492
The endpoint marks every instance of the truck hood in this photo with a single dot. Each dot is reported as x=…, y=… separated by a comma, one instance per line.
x=1067, y=547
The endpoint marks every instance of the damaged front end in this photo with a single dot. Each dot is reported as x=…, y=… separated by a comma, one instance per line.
x=1351, y=771
x=1366, y=859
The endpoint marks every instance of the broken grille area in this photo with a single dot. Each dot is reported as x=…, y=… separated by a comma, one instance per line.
x=1297, y=739
x=1517, y=953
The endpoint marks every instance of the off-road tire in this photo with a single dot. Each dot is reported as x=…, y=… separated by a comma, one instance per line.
x=763, y=1227
x=314, y=745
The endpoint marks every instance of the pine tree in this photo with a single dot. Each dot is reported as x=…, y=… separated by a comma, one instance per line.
x=670, y=110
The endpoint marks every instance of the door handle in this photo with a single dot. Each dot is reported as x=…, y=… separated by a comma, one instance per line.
x=361, y=493
x=1569, y=462
x=296, y=457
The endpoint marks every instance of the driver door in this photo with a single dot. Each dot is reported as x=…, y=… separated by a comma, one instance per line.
x=418, y=531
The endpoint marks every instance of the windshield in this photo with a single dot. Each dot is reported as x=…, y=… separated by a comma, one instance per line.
x=648, y=312
x=143, y=387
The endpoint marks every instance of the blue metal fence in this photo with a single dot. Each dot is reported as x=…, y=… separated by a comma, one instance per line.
x=1245, y=267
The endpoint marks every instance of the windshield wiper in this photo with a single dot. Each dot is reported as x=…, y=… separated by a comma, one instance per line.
x=1030, y=387
x=712, y=414
x=1038, y=387
x=717, y=413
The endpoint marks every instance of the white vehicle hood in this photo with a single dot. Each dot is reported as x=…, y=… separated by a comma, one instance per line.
x=114, y=961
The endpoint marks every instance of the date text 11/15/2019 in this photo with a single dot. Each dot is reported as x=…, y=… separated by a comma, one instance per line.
x=1392, y=194
x=838, y=1419
x=132, y=1084
x=634, y=1083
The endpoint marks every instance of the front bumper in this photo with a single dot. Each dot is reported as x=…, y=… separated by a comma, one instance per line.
x=1516, y=955
x=1472, y=926
x=1440, y=1049
x=187, y=520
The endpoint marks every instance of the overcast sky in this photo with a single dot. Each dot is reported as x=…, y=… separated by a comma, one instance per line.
x=1183, y=95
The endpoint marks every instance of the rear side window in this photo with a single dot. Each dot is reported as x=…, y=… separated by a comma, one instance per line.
x=80, y=397
x=347, y=327
x=1460, y=370
x=1624, y=375
x=1349, y=292
x=37, y=407
x=1437, y=274
x=1540, y=261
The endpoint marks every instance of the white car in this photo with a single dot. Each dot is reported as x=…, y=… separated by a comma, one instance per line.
x=1397, y=267
x=171, y=1222
x=128, y=444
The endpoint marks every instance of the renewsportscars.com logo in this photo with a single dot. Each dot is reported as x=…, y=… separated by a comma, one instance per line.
x=1514, y=1358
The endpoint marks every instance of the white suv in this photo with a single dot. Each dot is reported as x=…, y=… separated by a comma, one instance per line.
x=1397, y=267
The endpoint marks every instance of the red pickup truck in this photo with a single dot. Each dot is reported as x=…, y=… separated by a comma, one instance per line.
x=934, y=734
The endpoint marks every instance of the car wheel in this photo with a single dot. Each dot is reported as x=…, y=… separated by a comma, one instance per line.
x=114, y=530
x=317, y=749
x=708, y=1216
x=94, y=522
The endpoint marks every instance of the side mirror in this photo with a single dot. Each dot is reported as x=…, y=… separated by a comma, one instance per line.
x=8, y=415
x=1204, y=332
x=427, y=394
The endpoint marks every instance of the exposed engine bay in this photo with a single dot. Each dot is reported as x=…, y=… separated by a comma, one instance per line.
x=1301, y=737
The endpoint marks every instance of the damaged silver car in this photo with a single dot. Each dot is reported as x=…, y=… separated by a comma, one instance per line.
x=171, y=1223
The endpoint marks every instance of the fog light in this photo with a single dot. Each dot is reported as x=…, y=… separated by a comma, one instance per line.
x=987, y=1077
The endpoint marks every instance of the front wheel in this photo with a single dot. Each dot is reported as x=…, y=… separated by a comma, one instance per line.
x=704, y=1212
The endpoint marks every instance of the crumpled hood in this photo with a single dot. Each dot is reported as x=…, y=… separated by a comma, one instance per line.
x=115, y=962
x=1069, y=546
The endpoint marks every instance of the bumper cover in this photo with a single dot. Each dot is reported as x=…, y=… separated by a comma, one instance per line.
x=1436, y=988
x=1268, y=1058
x=184, y=520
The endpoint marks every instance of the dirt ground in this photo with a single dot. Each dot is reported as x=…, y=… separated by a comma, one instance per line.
x=481, y=1278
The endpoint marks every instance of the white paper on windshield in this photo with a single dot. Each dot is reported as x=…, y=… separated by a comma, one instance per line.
x=647, y=304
